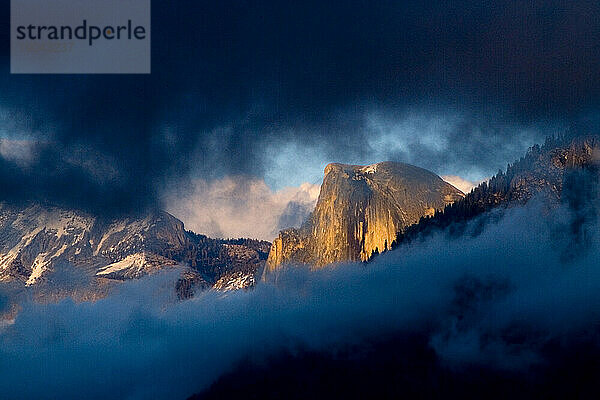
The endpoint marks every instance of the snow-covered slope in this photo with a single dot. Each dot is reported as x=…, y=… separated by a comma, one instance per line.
x=36, y=240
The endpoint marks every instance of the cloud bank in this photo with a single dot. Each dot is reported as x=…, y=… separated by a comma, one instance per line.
x=468, y=294
x=241, y=207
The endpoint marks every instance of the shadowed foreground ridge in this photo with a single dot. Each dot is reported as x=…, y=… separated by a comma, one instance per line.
x=360, y=210
x=405, y=366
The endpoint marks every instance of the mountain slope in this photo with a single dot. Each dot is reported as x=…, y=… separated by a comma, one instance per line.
x=36, y=240
x=360, y=210
x=554, y=171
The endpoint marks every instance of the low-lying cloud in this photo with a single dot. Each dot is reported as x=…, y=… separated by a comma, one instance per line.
x=466, y=293
x=241, y=207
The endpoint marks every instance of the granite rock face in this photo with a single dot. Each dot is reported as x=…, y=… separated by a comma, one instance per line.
x=360, y=210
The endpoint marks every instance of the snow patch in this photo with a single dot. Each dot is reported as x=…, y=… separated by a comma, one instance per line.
x=369, y=169
x=137, y=260
x=236, y=281
x=41, y=263
x=12, y=254
x=113, y=229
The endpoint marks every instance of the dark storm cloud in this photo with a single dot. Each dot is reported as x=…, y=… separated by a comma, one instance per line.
x=470, y=146
x=233, y=77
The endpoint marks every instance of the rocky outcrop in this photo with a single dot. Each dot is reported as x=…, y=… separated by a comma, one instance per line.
x=360, y=210
x=38, y=241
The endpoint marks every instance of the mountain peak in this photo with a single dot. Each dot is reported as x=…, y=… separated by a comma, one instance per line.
x=372, y=169
x=38, y=241
x=361, y=209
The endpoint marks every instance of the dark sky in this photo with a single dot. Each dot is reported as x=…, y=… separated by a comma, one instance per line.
x=241, y=87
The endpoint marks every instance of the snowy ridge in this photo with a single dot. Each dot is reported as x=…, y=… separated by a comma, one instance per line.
x=34, y=239
x=40, y=244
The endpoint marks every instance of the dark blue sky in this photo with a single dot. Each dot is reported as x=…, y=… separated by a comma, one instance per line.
x=263, y=87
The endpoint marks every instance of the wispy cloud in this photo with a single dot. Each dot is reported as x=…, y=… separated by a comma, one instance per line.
x=241, y=207
x=20, y=152
x=461, y=184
